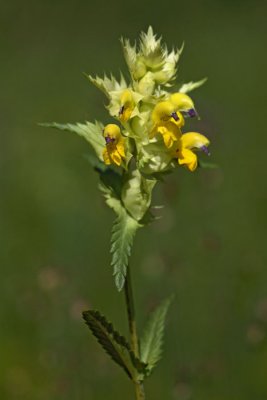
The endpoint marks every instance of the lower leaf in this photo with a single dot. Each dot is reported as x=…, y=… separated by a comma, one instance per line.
x=115, y=345
x=152, y=339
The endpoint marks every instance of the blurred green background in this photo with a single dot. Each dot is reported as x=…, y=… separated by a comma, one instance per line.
x=210, y=246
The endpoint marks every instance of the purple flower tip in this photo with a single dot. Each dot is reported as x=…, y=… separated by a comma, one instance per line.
x=109, y=140
x=192, y=113
x=175, y=116
x=206, y=150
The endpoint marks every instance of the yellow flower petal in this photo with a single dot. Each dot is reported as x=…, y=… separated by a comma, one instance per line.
x=172, y=129
x=163, y=112
x=121, y=147
x=188, y=158
x=125, y=114
x=127, y=105
x=169, y=131
x=106, y=157
x=168, y=140
x=115, y=157
x=112, y=131
x=115, y=145
x=195, y=140
x=180, y=122
x=182, y=101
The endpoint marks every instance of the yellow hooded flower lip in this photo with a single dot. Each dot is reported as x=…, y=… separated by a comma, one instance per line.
x=184, y=103
x=114, y=152
x=188, y=142
x=163, y=112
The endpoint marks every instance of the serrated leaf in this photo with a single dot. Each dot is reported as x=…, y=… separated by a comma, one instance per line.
x=111, y=197
x=115, y=345
x=93, y=133
x=188, y=87
x=109, y=177
x=123, y=233
x=152, y=339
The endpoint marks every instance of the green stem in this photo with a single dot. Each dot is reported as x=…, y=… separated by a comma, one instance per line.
x=131, y=313
x=139, y=387
x=139, y=391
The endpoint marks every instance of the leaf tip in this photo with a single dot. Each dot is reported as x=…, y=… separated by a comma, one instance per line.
x=119, y=281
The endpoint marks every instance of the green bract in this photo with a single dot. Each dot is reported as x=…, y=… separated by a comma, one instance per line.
x=136, y=194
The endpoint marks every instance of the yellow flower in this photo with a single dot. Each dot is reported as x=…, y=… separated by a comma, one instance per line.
x=183, y=103
x=127, y=105
x=164, y=111
x=167, y=122
x=114, y=152
x=183, y=149
x=170, y=132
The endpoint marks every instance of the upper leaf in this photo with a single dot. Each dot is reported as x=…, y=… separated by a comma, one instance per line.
x=152, y=340
x=114, y=344
x=111, y=179
x=123, y=232
x=93, y=133
x=130, y=202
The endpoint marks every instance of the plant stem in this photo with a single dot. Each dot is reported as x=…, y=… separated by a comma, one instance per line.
x=139, y=387
x=139, y=391
x=131, y=313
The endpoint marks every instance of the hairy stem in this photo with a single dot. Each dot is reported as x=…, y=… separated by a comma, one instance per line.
x=139, y=391
x=139, y=387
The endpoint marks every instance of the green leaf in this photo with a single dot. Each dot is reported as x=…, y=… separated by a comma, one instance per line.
x=123, y=233
x=112, y=196
x=93, y=133
x=111, y=199
x=136, y=194
x=115, y=345
x=131, y=203
x=188, y=87
x=110, y=178
x=152, y=340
